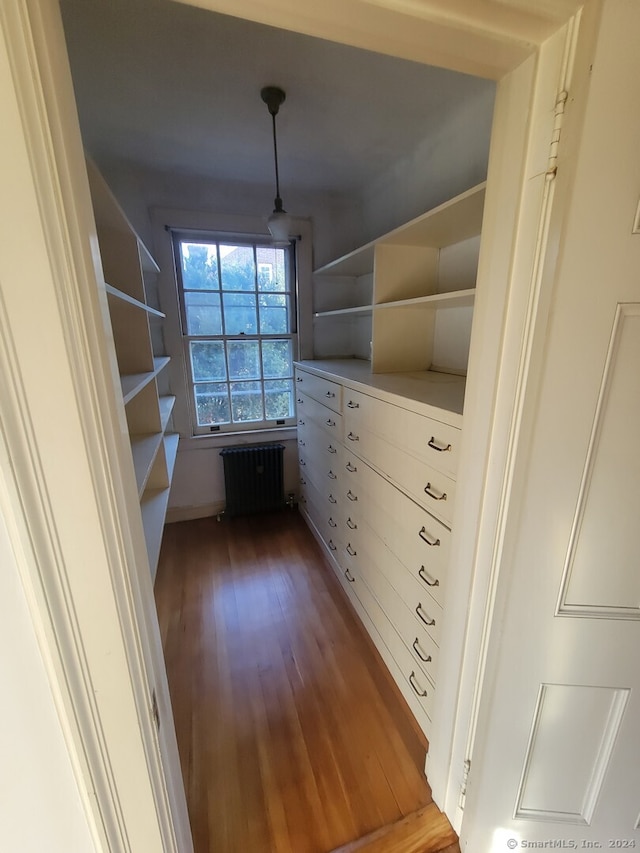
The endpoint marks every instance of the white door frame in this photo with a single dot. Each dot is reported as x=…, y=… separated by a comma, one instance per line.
x=69, y=495
x=96, y=523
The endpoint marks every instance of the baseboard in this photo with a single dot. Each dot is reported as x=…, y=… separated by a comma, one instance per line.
x=189, y=513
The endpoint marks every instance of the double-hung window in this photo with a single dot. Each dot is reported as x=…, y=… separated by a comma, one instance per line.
x=237, y=301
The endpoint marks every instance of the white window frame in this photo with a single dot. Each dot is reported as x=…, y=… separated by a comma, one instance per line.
x=229, y=228
x=255, y=243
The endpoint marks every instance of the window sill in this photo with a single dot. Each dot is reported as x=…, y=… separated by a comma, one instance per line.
x=228, y=439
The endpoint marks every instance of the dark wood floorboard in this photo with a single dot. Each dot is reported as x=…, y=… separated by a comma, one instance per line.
x=292, y=736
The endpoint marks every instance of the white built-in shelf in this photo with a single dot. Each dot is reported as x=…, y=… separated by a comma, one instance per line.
x=359, y=309
x=133, y=383
x=144, y=449
x=354, y=264
x=124, y=297
x=147, y=261
x=166, y=405
x=153, y=506
x=405, y=299
x=451, y=222
x=455, y=299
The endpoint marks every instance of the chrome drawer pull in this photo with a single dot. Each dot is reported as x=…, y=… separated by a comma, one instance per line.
x=352, y=405
x=351, y=496
x=418, y=651
x=428, y=622
x=350, y=551
x=351, y=524
x=422, y=533
x=299, y=379
x=350, y=467
x=330, y=423
x=433, y=444
x=332, y=500
x=347, y=575
x=353, y=437
x=329, y=394
x=441, y=497
x=417, y=690
x=332, y=523
x=425, y=577
x=332, y=476
x=332, y=547
x=331, y=449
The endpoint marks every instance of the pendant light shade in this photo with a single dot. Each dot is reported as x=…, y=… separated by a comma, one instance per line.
x=279, y=221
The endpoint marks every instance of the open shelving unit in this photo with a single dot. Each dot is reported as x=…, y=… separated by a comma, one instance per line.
x=126, y=266
x=405, y=301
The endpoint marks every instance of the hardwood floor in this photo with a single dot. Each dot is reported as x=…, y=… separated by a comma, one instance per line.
x=292, y=736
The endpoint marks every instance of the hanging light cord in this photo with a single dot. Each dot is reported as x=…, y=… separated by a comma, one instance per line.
x=278, y=200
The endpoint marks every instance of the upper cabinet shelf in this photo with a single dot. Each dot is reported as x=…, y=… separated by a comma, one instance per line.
x=405, y=300
x=129, y=300
x=125, y=264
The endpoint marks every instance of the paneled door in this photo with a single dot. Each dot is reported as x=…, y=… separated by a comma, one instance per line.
x=556, y=762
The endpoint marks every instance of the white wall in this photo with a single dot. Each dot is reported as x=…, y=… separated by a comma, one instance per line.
x=138, y=189
x=40, y=806
x=451, y=159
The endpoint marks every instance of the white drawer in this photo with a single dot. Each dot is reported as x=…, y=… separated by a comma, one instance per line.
x=415, y=635
x=430, y=488
x=433, y=441
x=414, y=685
x=321, y=389
x=419, y=541
x=309, y=409
x=426, y=614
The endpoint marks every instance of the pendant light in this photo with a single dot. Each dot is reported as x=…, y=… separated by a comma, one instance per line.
x=278, y=222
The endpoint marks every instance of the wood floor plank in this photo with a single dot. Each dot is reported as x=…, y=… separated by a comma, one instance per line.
x=424, y=831
x=291, y=736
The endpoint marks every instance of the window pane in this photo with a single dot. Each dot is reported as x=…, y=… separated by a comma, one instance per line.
x=203, y=313
x=237, y=268
x=276, y=359
x=274, y=314
x=240, y=313
x=271, y=268
x=207, y=360
x=244, y=359
x=199, y=266
x=278, y=398
x=246, y=401
x=212, y=403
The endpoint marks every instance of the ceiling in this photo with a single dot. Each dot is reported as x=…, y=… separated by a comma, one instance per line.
x=177, y=88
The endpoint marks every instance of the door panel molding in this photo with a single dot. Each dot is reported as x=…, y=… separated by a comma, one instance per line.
x=600, y=564
x=572, y=738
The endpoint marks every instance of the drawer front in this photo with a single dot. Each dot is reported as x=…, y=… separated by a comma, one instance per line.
x=310, y=410
x=321, y=389
x=375, y=557
x=430, y=488
x=326, y=520
x=414, y=685
x=414, y=634
x=418, y=540
x=433, y=441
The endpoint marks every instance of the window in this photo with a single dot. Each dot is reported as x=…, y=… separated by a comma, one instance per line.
x=238, y=327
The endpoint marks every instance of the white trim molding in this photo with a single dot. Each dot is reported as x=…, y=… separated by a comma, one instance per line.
x=72, y=516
